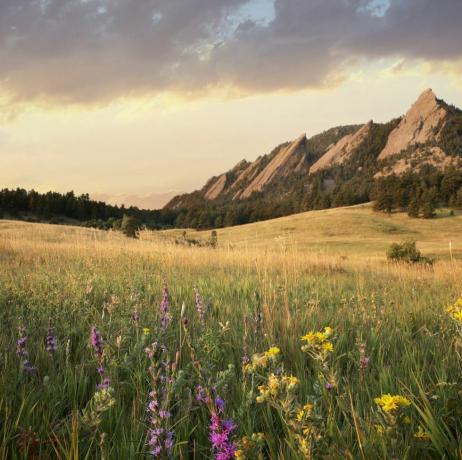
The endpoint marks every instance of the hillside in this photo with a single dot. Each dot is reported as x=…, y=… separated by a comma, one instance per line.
x=348, y=231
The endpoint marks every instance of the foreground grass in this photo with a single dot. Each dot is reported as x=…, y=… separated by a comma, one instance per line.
x=73, y=279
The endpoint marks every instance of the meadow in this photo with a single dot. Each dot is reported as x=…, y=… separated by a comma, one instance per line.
x=293, y=339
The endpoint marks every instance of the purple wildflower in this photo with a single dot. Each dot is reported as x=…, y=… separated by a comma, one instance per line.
x=220, y=404
x=159, y=439
x=135, y=316
x=21, y=347
x=364, y=362
x=165, y=316
x=96, y=341
x=200, y=307
x=51, y=342
x=220, y=437
x=328, y=386
x=105, y=384
x=22, y=352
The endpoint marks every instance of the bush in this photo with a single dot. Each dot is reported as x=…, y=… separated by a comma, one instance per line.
x=407, y=252
x=130, y=226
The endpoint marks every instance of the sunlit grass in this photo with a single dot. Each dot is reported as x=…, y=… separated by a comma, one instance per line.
x=257, y=296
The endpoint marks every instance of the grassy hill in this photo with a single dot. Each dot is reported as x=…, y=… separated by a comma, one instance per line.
x=348, y=231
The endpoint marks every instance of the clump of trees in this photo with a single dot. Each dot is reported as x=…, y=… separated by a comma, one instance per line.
x=407, y=252
x=419, y=193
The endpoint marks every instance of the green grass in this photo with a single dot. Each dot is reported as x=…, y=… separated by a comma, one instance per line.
x=258, y=294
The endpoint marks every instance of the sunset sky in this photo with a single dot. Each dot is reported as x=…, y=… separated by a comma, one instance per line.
x=134, y=100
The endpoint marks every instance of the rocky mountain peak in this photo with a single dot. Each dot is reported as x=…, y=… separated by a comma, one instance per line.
x=420, y=125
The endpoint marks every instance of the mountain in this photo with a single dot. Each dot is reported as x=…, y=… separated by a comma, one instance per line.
x=246, y=177
x=342, y=166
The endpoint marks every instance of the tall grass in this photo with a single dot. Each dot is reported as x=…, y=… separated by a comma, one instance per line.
x=74, y=279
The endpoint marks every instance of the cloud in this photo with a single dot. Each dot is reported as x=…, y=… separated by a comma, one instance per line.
x=94, y=51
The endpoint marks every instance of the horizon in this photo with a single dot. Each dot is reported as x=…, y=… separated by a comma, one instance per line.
x=138, y=117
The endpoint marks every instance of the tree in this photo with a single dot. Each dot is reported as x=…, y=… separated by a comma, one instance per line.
x=413, y=208
x=130, y=226
x=428, y=206
x=213, y=241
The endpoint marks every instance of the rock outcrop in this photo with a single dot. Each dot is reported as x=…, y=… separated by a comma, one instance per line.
x=285, y=162
x=421, y=124
x=343, y=149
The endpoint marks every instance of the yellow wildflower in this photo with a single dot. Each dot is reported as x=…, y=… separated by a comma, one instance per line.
x=310, y=337
x=455, y=311
x=327, y=346
x=389, y=403
x=272, y=352
x=300, y=415
x=422, y=435
x=146, y=330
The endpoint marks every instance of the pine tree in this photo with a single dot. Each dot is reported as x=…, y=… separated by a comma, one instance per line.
x=413, y=208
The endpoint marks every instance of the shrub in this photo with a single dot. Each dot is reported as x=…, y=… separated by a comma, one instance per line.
x=130, y=226
x=407, y=252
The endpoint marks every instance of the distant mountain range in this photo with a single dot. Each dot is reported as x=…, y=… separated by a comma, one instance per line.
x=428, y=135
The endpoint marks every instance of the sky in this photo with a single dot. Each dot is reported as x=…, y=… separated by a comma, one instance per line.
x=134, y=101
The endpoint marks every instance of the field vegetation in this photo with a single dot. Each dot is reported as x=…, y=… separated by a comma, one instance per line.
x=291, y=339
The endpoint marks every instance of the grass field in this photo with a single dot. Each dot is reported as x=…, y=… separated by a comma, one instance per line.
x=346, y=231
x=98, y=360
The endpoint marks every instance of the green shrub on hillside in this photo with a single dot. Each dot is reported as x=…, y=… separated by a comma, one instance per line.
x=407, y=252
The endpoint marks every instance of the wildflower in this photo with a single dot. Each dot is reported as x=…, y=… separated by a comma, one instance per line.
x=422, y=435
x=278, y=388
x=328, y=386
x=455, y=311
x=200, y=307
x=272, y=352
x=390, y=404
x=220, y=437
x=318, y=344
x=364, y=362
x=160, y=436
x=220, y=404
x=146, y=331
x=51, y=342
x=101, y=402
x=135, y=316
x=96, y=341
x=22, y=352
x=106, y=383
x=165, y=316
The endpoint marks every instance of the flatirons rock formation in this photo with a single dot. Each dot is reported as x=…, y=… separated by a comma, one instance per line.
x=421, y=124
x=343, y=149
x=429, y=134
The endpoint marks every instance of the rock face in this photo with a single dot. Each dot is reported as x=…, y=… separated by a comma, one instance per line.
x=287, y=160
x=429, y=134
x=342, y=150
x=216, y=188
x=421, y=124
x=433, y=156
